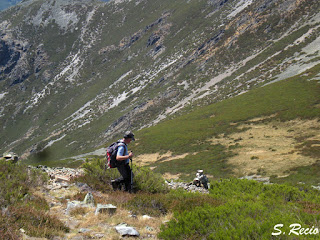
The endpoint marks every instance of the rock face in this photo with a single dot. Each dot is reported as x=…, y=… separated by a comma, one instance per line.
x=89, y=199
x=14, y=65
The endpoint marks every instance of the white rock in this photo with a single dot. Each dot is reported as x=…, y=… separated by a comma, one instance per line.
x=108, y=208
x=125, y=230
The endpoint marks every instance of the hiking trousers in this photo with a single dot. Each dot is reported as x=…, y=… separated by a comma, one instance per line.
x=125, y=171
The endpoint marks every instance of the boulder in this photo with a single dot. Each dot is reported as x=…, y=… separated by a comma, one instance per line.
x=124, y=230
x=76, y=204
x=73, y=204
x=62, y=178
x=105, y=208
x=10, y=157
x=89, y=200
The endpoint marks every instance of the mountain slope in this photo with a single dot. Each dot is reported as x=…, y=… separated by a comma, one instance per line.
x=75, y=74
x=269, y=131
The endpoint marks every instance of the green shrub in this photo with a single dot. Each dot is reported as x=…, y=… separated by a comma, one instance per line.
x=16, y=181
x=251, y=190
x=148, y=181
x=234, y=220
x=246, y=210
x=99, y=178
x=174, y=201
x=22, y=209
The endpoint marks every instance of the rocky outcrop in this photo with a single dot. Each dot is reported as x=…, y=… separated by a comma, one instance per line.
x=60, y=174
x=13, y=60
x=18, y=61
x=186, y=186
x=155, y=40
x=141, y=111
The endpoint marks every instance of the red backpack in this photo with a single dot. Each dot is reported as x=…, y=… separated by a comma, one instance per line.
x=112, y=153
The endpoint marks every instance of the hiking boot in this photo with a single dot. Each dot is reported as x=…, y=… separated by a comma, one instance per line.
x=115, y=185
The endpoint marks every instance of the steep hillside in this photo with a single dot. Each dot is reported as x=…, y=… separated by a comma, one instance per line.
x=272, y=131
x=75, y=74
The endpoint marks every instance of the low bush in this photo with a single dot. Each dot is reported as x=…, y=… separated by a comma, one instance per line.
x=9, y=230
x=16, y=180
x=78, y=211
x=174, y=201
x=99, y=177
x=150, y=204
x=23, y=209
x=148, y=181
x=246, y=210
x=234, y=220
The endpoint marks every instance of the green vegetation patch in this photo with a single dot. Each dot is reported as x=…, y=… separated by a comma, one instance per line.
x=174, y=201
x=99, y=176
x=22, y=209
x=309, y=175
x=213, y=160
x=251, y=210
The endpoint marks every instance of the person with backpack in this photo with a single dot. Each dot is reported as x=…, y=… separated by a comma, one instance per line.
x=122, y=163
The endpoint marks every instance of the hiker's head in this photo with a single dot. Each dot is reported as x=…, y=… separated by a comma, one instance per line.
x=128, y=136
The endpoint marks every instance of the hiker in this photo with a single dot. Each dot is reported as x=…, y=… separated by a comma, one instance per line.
x=201, y=179
x=123, y=159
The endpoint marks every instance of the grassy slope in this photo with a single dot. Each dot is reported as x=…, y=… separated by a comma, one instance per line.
x=293, y=98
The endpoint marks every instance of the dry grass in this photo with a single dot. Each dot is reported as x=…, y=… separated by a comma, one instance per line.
x=102, y=223
x=171, y=176
x=105, y=223
x=270, y=148
x=145, y=159
x=63, y=192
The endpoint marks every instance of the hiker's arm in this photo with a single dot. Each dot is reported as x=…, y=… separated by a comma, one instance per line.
x=122, y=158
x=120, y=153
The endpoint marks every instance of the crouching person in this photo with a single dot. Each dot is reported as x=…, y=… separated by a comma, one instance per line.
x=123, y=160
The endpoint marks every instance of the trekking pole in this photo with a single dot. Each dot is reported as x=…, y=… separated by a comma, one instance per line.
x=131, y=183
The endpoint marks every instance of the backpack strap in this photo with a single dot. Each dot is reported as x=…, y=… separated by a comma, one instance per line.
x=121, y=144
